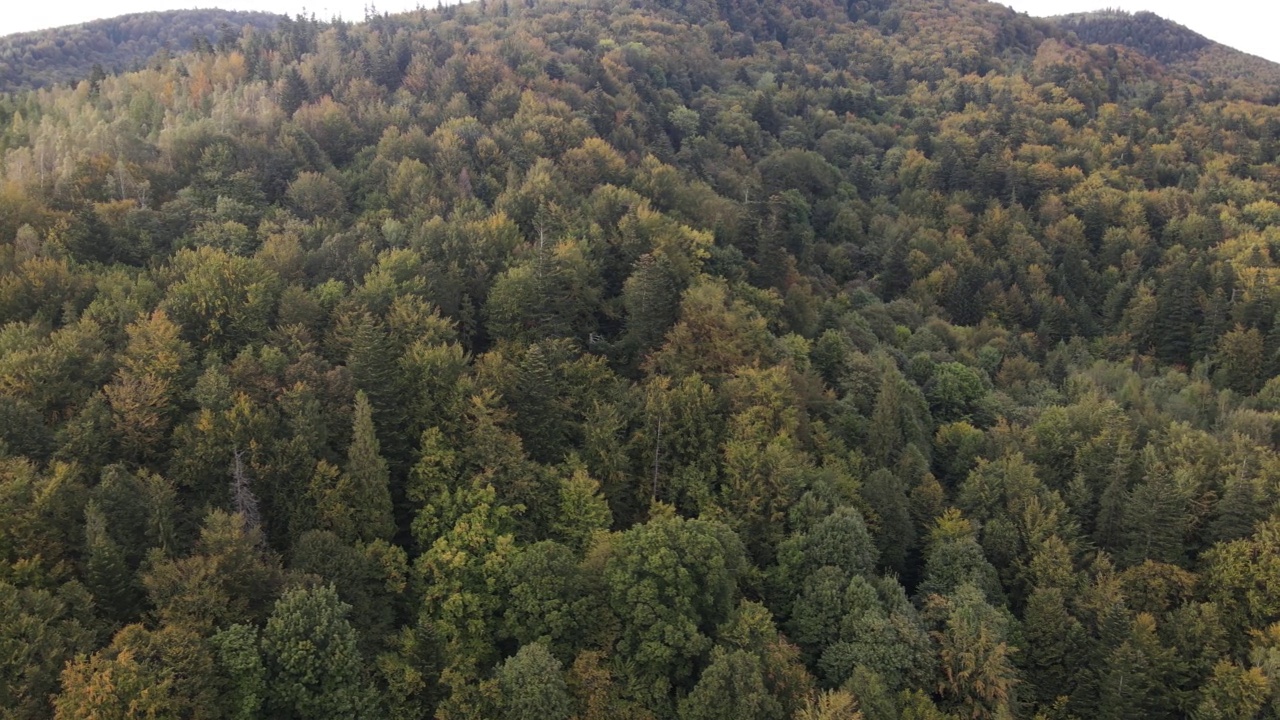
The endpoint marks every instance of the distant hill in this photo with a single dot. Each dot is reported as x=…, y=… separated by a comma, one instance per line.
x=1177, y=46
x=46, y=57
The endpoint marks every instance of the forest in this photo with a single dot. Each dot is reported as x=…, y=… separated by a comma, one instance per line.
x=659, y=360
x=90, y=50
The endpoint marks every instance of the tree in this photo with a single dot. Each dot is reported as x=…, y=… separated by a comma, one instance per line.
x=651, y=297
x=1233, y=693
x=830, y=705
x=168, y=672
x=900, y=418
x=1056, y=647
x=1243, y=579
x=370, y=577
x=356, y=504
x=751, y=628
x=372, y=360
x=954, y=557
x=583, y=512
x=1240, y=360
x=230, y=577
x=108, y=576
x=313, y=196
x=42, y=630
x=1138, y=675
x=895, y=534
x=221, y=301
x=880, y=632
x=547, y=599
x=977, y=672
x=1155, y=519
x=532, y=686
x=731, y=687
x=954, y=392
x=670, y=582
x=142, y=395
x=240, y=659
x=312, y=659
x=459, y=574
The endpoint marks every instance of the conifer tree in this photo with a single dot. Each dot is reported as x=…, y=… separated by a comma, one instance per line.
x=364, y=488
x=106, y=572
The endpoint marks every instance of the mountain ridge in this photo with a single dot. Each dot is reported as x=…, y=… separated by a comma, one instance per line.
x=1176, y=46
x=39, y=58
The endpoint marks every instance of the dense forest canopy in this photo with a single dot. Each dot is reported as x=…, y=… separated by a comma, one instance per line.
x=657, y=360
x=76, y=52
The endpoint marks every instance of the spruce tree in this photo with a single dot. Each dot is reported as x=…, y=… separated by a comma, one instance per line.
x=363, y=492
x=105, y=571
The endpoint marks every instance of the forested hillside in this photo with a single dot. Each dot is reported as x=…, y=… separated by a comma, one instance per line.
x=71, y=53
x=575, y=359
x=1179, y=47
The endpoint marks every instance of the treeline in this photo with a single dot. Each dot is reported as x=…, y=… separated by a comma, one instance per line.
x=582, y=360
x=69, y=54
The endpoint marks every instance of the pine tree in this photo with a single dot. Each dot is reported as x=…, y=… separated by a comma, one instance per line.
x=1137, y=676
x=1155, y=519
x=1237, y=511
x=106, y=572
x=359, y=506
x=1055, y=647
x=294, y=91
x=886, y=494
x=978, y=675
x=373, y=362
x=651, y=297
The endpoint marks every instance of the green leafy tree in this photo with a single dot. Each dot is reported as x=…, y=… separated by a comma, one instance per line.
x=671, y=582
x=240, y=660
x=532, y=685
x=732, y=686
x=312, y=658
x=43, y=630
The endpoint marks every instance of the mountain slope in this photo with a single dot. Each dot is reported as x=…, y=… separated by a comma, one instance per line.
x=651, y=360
x=42, y=58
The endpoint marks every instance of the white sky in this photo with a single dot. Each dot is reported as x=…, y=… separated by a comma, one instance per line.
x=1248, y=25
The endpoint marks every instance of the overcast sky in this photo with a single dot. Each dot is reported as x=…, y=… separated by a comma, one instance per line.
x=1249, y=25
